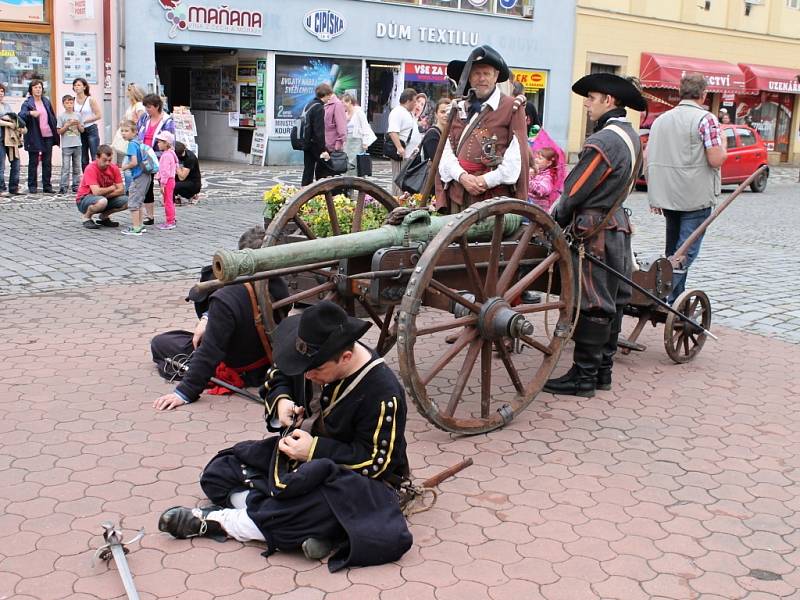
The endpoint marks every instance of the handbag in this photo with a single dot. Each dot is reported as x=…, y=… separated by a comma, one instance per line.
x=338, y=162
x=119, y=143
x=413, y=174
x=389, y=150
x=364, y=165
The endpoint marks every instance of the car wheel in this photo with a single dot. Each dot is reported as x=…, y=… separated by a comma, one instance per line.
x=759, y=184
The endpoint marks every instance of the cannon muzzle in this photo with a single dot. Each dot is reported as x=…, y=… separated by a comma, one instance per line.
x=417, y=227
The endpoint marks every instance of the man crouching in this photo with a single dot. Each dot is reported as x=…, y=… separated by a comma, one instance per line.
x=323, y=481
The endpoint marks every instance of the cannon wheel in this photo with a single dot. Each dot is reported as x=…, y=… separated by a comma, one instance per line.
x=681, y=340
x=288, y=220
x=504, y=386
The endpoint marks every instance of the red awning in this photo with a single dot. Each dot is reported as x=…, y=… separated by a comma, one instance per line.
x=771, y=79
x=664, y=71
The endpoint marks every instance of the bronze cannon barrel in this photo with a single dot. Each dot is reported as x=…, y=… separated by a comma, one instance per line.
x=417, y=227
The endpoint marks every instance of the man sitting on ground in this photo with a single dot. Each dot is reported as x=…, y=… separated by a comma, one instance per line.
x=233, y=348
x=101, y=191
x=319, y=483
x=188, y=180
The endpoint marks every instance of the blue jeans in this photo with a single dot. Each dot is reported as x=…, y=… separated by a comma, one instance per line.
x=680, y=225
x=13, y=176
x=90, y=142
x=47, y=166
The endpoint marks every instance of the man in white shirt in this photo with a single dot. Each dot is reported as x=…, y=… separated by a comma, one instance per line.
x=483, y=156
x=403, y=132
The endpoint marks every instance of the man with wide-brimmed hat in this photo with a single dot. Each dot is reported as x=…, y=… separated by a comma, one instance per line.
x=323, y=482
x=591, y=206
x=484, y=156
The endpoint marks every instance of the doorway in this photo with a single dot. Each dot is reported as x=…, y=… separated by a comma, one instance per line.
x=383, y=93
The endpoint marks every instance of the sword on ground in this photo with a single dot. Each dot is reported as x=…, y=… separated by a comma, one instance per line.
x=182, y=367
x=115, y=548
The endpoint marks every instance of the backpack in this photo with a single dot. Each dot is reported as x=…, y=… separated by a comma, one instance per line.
x=300, y=134
x=148, y=159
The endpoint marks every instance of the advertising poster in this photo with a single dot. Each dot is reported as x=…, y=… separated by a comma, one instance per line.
x=532, y=81
x=79, y=52
x=261, y=95
x=770, y=114
x=296, y=77
x=27, y=11
x=23, y=57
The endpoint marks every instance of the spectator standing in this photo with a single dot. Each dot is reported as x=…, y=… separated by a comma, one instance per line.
x=684, y=154
x=359, y=134
x=430, y=140
x=89, y=110
x=188, y=178
x=11, y=131
x=150, y=124
x=40, y=120
x=423, y=112
x=403, y=131
x=314, y=134
x=70, y=128
x=335, y=120
x=101, y=191
x=167, y=167
x=142, y=180
x=133, y=112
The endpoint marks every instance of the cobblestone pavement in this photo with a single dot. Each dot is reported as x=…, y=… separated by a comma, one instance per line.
x=682, y=482
x=746, y=264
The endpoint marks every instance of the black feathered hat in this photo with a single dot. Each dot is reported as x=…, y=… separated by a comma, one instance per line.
x=607, y=83
x=482, y=55
x=304, y=342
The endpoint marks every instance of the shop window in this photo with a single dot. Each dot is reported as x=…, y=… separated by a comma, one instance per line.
x=793, y=4
x=24, y=57
x=508, y=8
x=730, y=137
x=746, y=137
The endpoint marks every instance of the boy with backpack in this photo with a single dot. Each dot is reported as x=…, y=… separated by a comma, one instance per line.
x=139, y=161
x=308, y=135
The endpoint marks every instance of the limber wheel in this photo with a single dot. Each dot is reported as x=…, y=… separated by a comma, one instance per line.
x=478, y=302
x=682, y=340
x=332, y=206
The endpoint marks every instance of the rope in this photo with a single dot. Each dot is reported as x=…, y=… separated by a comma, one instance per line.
x=412, y=499
x=581, y=254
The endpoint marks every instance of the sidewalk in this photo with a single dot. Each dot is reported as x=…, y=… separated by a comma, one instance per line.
x=682, y=482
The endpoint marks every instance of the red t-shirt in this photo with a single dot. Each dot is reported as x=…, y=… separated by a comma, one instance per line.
x=94, y=175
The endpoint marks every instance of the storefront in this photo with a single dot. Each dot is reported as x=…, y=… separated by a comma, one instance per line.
x=660, y=75
x=250, y=65
x=771, y=106
x=26, y=47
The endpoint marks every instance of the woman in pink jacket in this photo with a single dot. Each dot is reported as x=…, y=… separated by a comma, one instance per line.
x=335, y=130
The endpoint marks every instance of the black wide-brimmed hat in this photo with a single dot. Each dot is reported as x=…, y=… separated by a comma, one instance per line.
x=482, y=55
x=607, y=83
x=304, y=342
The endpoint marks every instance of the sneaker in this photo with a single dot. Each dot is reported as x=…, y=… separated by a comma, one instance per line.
x=149, y=221
x=15, y=193
x=33, y=191
x=90, y=225
x=62, y=191
x=131, y=230
x=165, y=226
x=49, y=191
x=107, y=223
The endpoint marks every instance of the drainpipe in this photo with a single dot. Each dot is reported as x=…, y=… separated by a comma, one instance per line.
x=108, y=85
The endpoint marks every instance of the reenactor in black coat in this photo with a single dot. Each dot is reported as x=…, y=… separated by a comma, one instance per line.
x=330, y=479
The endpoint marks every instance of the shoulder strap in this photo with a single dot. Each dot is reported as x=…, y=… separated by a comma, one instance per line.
x=257, y=321
x=636, y=162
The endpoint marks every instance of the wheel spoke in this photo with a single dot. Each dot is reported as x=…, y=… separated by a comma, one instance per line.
x=686, y=344
x=526, y=309
x=387, y=323
x=472, y=271
x=332, y=213
x=693, y=305
x=455, y=323
x=513, y=264
x=359, y=211
x=317, y=289
x=304, y=227
x=490, y=287
x=463, y=376
x=454, y=296
x=524, y=283
x=486, y=377
x=465, y=338
x=510, y=368
x=534, y=344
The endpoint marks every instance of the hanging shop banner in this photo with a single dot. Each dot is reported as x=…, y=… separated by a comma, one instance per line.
x=532, y=81
x=79, y=52
x=261, y=92
x=426, y=72
x=26, y=11
x=296, y=78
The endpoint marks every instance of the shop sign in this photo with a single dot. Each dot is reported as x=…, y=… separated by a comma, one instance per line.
x=216, y=19
x=436, y=73
x=507, y=4
x=791, y=87
x=324, y=24
x=430, y=35
x=83, y=9
x=532, y=81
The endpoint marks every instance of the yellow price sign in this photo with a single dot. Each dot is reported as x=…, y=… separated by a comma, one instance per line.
x=532, y=81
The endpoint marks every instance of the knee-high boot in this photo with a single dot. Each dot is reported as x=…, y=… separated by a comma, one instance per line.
x=590, y=335
x=609, y=350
